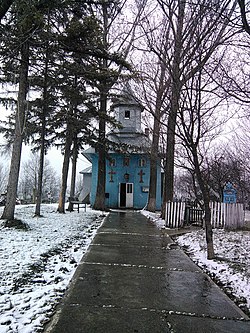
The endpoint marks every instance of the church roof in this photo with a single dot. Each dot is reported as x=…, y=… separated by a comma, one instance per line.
x=135, y=142
x=126, y=97
x=86, y=170
x=137, y=145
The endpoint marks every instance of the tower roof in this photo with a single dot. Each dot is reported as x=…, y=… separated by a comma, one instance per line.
x=126, y=97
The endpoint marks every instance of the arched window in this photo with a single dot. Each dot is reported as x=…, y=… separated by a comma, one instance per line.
x=112, y=162
x=126, y=161
x=142, y=162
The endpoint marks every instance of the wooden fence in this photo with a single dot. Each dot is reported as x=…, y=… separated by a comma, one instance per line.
x=229, y=216
x=223, y=215
x=175, y=212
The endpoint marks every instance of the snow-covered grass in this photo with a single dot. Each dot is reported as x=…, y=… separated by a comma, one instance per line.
x=155, y=217
x=37, y=264
x=231, y=267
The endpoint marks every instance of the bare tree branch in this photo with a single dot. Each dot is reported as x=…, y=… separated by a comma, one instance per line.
x=245, y=24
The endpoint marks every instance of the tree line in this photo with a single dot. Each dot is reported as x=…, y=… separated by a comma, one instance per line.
x=66, y=59
x=60, y=59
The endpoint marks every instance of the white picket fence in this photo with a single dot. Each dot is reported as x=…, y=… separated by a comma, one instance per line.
x=175, y=214
x=227, y=216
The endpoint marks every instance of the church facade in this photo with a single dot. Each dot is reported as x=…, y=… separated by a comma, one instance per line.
x=128, y=162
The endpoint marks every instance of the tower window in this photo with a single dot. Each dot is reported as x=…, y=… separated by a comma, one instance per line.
x=127, y=114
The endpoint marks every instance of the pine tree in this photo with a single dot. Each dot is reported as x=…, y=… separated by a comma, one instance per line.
x=23, y=27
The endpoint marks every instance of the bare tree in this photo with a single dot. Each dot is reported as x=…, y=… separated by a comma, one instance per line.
x=195, y=27
x=243, y=10
x=184, y=185
x=176, y=40
x=154, y=90
x=197, y=127
x=29, y=180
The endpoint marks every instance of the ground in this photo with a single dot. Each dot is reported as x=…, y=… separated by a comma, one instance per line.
x=231, y=267
x=37, y=264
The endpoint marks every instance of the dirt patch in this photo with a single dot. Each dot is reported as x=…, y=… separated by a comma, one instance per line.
x=16, y=224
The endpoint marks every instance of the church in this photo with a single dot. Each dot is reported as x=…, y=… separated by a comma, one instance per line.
x=128, y=161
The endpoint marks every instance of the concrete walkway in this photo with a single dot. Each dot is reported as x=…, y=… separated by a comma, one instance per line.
x=135, y=279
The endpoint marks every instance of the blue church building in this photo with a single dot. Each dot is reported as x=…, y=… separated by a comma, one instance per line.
x=128, y=160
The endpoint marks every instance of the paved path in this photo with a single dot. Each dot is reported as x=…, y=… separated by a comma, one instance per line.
x=135, y=279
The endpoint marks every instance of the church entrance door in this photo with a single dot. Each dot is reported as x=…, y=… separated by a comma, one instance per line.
x=126, y=195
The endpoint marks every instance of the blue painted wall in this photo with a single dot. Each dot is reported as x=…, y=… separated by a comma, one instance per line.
x=140, y=197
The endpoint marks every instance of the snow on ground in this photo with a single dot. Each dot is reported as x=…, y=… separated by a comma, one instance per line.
x=36, y=265
x=231, y=267
x=155, y=217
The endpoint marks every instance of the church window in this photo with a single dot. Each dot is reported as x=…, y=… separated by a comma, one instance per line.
x=112, y=162
x=142, y=162
x=126, y=161
x=127, y=114
x=129, y=188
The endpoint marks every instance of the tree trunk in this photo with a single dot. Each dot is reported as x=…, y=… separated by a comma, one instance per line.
x=205, y=194
x=154, y=158
x=168, y=187
x=174, y=107
x=151, y=206
x=99, y=203
x=209, y=231
x=170, y=151
x=66, y=160
x=73, y=175
x=42, y=138
x=40, y=173
x=9, y=208
x=243, y=13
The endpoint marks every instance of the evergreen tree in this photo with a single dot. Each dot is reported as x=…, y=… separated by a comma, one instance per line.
x=52, y=72
x=4, y=7
x=23, y=23
x=108, y=63
x=78, y=45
